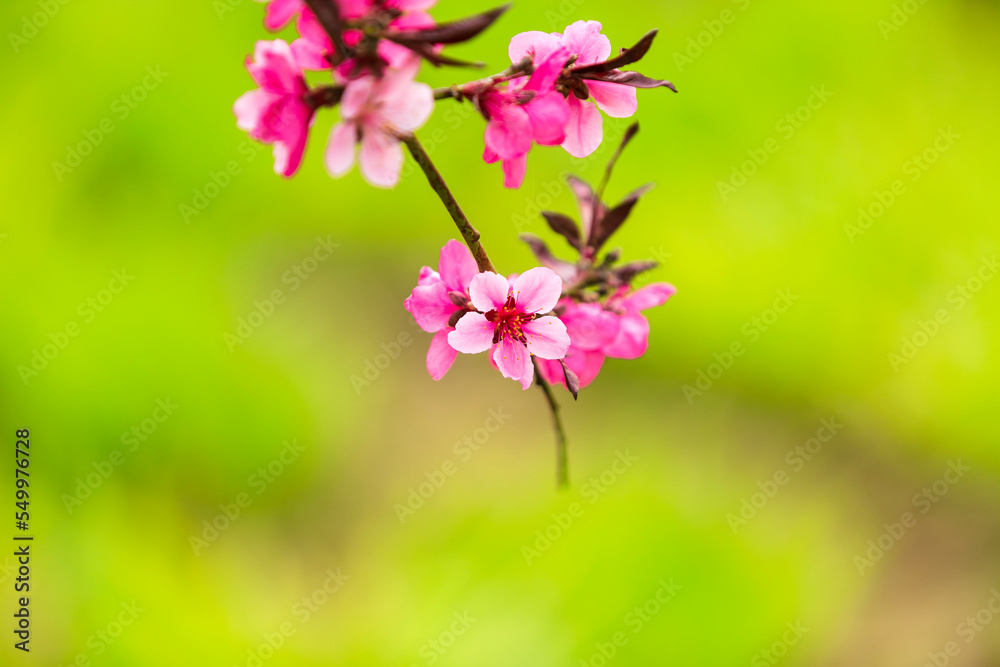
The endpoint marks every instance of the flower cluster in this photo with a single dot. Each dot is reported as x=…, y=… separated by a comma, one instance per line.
x=372, y=50
x=569, y=316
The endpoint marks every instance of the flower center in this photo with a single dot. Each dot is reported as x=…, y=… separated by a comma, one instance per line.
x=509, y=321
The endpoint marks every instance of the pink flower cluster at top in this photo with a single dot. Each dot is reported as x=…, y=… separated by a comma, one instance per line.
x=375, y=106
x=473, y=312
x=540, y=111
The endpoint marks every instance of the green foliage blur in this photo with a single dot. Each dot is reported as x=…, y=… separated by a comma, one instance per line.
x=706, y=516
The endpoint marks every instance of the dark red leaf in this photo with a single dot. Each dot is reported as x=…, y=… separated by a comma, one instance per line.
x=572, y=381
x=615, y=217
x=565, y=226
x=633, y=79
x=626, y=273
x=452, y=32
x=561, y=267
x=627, y=57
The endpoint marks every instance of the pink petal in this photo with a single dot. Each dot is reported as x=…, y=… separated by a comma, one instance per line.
x=381, y=158
x=632, y=340
x=549, y=114
x=514, y=170
x=649, y=296
x=430, y=306
x=488, y=291
x=409, y=107
x=289, y=149
x=586, y=365
x=584, y=38
x=514, y=362
x=508, y=132
x=537, y=290
x=473, y=334
x=310, y=55
x=585, y=128
x=534, y=43
x=440, y=355
x=547, y=337
x=353, y=9
x=589, y=326
x=356, y=97
x=280, y=12
x=457, y=266
x=274, y=68
x=614, y=99
x=551, y=371
x=547, y=70
x=339, y=155
x=251, y=107
x=428, y=276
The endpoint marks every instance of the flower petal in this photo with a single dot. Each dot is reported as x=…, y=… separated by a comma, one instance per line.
x=508, y=132
x=473, y=334
x=547, y=337
x=440, y=355
x=339, y=155
x=488, y=291
x=548, y=114
x=280, y=12
x=585, y=128
x=589, y=326
x=632, y=340
x=457, y=266
x=409, y=107
x=514, y=170
x=614, y=99
x=584, y=38
x=251, y=107
x=514, y=362
x=537, y=290
x=430, y=306
x=649, y=296
x=534, y=43
x=381, y=158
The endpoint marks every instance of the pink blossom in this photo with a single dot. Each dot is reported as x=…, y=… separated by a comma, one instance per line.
x=584, y=130
x=277, y=112
x=510, y=322
x=314, y=47
x=616, y=329
x=374, y=110
x=432, y=306
x=525, y=113
x=280, y=12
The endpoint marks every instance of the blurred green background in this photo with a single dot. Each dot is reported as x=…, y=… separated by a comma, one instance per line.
x=470, y=577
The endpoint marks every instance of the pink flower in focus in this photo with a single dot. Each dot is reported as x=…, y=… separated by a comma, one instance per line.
x=280, y=12
x=584, y=130
x=277, y=112
x=314, y=47
x=617, y=329
x=373, y=111
x=509, y=321
x=523, y=114
x=433, y=307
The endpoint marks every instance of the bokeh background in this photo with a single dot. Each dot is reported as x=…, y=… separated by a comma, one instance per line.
x=452, y=583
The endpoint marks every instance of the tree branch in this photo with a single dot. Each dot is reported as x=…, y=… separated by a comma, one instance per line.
x=562, y=465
